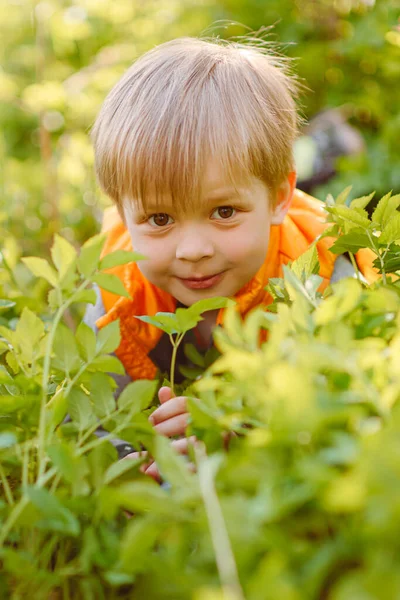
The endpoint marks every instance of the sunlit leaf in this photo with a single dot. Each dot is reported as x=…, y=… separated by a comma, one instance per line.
x=63, y=254
x=119, y=257
x=41, y=268
x=108, y=338
x=89, y=257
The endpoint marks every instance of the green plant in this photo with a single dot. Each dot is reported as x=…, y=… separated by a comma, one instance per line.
x=181, y=322
x=304, y=503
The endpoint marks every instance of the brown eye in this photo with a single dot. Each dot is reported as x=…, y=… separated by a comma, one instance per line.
x=160, y=219
x=225, y=212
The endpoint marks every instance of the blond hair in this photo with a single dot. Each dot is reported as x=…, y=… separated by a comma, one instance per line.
x=188, y=101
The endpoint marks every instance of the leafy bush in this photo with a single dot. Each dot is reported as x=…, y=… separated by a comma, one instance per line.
x=302, y=505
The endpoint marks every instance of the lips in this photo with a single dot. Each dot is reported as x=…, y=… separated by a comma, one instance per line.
x=199, y=278
x=200, y=283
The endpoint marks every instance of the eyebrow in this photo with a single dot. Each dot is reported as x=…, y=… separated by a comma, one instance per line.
x=210, y=200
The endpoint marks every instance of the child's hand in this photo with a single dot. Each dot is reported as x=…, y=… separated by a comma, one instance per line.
x=151, y=468
x=171, y=418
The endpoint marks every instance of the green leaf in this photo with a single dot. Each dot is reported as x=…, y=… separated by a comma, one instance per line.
x=63, y=254
x=391, y=260
x=391, y=232
x=41, y=268
x=362, y=202
x=206, y=304
x=119, y=257
x=54, y=300
x=194, y=355
x=294, y=286
x=73, y=469
x=138, y=541
x=356, y=217
x=12, y=362
x=167, y=322
x=107, y=364
x=86, y=339
x=191, y=372
x=202, y=415
x=111, y=283
x=172, y=466
x=89, y=257
x=87, y=296
x=307, y=264
x=385, y=209
x=58, y=409
x=102, y=395
x=80, y=409
x=186, y=319
x=137, y=396
x=331, y=231
x=66, y=350
x=29, y=332
x=341, y=199
x=10, y=404
x=120, y=468
x=108, y=338
x=5, y=376
x=6, y=305
x=116, y=579
x=347, y=295
x=350, y=242
x=138, y=496
x=56, y=516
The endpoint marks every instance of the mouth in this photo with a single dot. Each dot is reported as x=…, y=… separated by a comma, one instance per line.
x=201, y=283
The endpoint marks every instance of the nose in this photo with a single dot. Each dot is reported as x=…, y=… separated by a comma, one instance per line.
x=194, y=244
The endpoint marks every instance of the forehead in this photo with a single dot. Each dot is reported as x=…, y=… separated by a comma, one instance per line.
x=216, y=184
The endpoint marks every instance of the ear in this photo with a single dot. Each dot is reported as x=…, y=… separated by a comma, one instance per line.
x=284, y=195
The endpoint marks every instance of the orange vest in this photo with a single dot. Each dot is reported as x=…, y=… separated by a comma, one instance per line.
x=304, y=221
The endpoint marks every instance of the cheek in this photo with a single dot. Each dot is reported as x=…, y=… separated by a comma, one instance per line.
x=249, y=243
x=155, y=249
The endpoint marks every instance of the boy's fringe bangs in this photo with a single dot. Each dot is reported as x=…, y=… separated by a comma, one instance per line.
x=177, y=108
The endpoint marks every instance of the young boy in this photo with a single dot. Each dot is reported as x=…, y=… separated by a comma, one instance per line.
x=194, y=146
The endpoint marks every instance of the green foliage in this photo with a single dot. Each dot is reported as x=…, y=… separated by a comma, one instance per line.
x=181, y=321
x=302, y=502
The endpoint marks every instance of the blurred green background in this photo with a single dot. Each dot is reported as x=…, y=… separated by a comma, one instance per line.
x=60, y=58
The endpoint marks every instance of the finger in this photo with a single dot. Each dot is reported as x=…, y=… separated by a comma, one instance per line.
x=175, y=426
x=153, y=472
x=136, y=455
x=165, y=394
x=171, y=408
x=182, y=446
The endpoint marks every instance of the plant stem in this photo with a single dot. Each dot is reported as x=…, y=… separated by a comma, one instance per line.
x=379, y=256
x=222, y=547
x=45, y=379
x=6, y=486
x=175, y=345
x=18, y=508
x=355, y=266
x=25, y=465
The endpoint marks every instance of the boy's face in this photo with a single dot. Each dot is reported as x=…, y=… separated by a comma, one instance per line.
x=216, y=250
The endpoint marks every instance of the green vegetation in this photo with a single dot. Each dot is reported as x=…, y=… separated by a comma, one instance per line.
x=59, y=59
x=304, y=503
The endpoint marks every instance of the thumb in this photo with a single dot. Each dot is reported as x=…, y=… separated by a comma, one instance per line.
x=165, y=394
